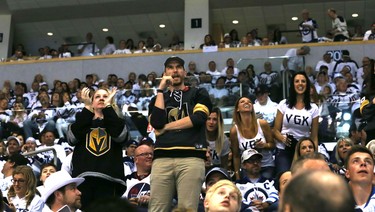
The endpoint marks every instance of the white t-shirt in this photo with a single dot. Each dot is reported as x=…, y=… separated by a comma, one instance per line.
x=296, y=122
x=36, y=204
x=109, y=49
x=268, y=111
x=295, y=62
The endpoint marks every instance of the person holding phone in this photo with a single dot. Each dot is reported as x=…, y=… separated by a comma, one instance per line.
x=248, y=132
x=296, y=117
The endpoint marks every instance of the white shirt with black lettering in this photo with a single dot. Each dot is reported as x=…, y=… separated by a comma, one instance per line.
x=296, y=122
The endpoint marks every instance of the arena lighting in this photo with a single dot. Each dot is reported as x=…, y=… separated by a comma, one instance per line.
x=105, y=29
x=49, y=33
x=355, y=15
x=346, y=116
x=294, y=18
x=235, y=21
x=162, y=25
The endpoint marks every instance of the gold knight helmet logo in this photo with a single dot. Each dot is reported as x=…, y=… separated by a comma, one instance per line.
x=98, y=142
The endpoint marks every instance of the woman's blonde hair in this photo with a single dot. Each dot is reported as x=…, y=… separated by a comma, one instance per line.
x=237, y=118
x=371, y=146
x=30, y=183
x=341, y=161
x=220, y=137
x=220, y=184
x=297, y=152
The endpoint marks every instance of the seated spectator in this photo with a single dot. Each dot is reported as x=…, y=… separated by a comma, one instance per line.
x=19, y=91
x=310, y=162
x=141, y=48
x=122, y=48
x=360, y=172
x=46, y=54
x=22, y=195
x=48, y=140
x=230, y=78
x=244, y=42
x=230, y=62
x=264, y=107
x=144, y=99
x=12, y=162
x=45, y=171
x=137, y=85
x=205, y=81
x=61, y=192
x=342, y=99
x=223, y=191
x=109, y=48
x=128, y=157
x=192, y=69
x=327, y=61
x=303, y=147
x=219, y=93
x=252, y=40
x=272, y=80
x=353, y=87
x=322, y=79
x=138, y=183
x=208, y=41
x=13, y=145
x=322, y=189
x=128, y=97
x=65, y=115
x=41, y=117
x=370, y=34
x=340, y=151
x=234, y=37
x=228, y=42
x=352, y=65
x=257, y=191
x=213, y=71
x=253, y=78
x=213, y=176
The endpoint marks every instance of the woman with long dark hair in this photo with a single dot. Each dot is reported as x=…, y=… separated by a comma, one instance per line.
x=296, y=117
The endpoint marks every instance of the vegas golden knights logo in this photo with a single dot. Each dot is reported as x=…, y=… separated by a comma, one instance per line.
x=175, y=114
x=98, y=142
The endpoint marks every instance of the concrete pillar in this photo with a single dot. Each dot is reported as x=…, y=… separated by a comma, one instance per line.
x=196, y=15
x=5, y=31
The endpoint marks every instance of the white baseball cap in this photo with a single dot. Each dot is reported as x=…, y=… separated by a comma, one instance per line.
x=247, y=154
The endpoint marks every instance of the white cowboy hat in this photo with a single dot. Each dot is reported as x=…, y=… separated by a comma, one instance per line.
x=57, y=180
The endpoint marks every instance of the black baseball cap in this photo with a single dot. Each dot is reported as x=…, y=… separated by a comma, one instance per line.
x=174, y=59
x=220, y=170
x=261, y=89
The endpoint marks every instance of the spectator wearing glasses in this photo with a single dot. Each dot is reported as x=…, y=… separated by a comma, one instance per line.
x=138, y=183
x=257, y=191
x=8, y=169
x=22, y=195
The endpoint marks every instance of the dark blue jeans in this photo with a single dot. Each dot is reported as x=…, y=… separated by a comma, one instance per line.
x=283, y=161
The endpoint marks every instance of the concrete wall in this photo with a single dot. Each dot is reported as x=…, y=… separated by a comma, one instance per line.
x=77, y=67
